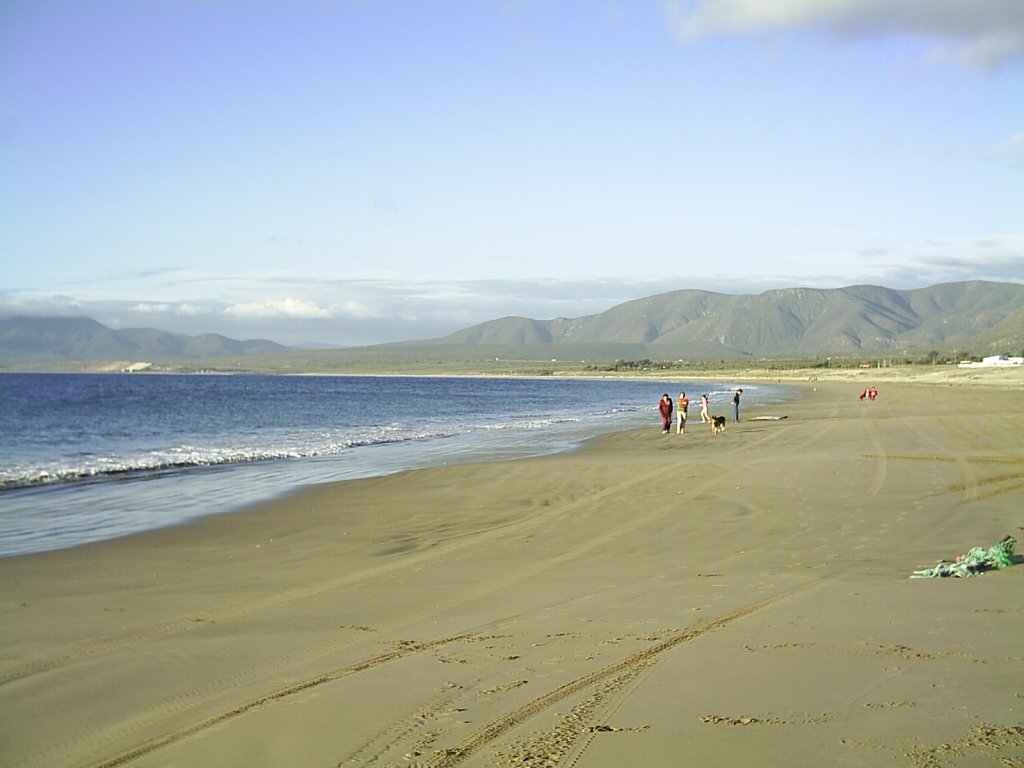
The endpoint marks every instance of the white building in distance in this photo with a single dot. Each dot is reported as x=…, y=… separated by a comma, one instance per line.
x=994, y=360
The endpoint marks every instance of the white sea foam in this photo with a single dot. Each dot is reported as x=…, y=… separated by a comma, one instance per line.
x=93, y=457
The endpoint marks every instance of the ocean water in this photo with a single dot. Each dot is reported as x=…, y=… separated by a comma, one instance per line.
x=86, y=457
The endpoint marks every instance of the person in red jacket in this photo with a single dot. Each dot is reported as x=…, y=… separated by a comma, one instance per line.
x=665, y=409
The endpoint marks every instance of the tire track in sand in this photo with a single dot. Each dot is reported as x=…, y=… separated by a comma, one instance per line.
x=199, y=619
x=881, y=465
x=284, y=598
x=165, y=739
x=623, y=670
x=183, y=702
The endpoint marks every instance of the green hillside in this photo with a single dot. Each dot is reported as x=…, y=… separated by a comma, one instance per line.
x=793, y=321
x=29, y=340
x=868, y=322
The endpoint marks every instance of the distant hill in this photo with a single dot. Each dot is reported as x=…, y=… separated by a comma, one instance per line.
x=976, y=318
x=35, y=340
x=792, y=321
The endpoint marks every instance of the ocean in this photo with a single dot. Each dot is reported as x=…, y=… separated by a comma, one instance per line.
x=88, y=457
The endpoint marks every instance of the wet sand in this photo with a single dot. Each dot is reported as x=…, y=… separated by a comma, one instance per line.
x=650, y=600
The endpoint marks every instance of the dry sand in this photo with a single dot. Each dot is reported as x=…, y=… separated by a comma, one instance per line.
x=739, y=600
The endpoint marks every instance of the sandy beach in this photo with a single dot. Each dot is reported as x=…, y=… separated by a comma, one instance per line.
x=649, y=600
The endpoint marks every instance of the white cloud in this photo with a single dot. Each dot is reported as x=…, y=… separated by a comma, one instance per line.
x=169, y=308
x=355, y=309
x=983, y=34
x=999, y=258
x=12, y=304
x=284, y=308
x=151, y=308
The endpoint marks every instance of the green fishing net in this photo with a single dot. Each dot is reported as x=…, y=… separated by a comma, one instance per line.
x=976, y=560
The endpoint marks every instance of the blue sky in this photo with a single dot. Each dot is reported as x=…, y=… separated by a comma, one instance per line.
x=353, y=171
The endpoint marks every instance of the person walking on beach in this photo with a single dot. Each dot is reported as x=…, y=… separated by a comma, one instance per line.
x=736, y=405
x=665, y=409
x=683, y=405
x=705, y=417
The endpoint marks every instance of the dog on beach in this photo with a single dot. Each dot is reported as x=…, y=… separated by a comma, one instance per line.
x=717, y=424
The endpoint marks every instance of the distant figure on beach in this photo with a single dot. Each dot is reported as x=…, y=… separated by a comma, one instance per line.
x=736, y=405
x=665, y=409
x=705, y=417
x=681, y=408
x=870, y=393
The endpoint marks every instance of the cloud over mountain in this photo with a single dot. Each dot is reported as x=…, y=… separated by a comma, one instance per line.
x=983, y=34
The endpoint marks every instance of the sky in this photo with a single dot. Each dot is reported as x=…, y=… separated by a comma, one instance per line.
x=350, y=172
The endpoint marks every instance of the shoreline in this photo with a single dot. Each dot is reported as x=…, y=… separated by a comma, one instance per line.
x=998, y=376
x=44, y=515
x=645, y=600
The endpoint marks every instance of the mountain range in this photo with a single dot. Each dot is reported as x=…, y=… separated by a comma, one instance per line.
x=40, y=340
x=974, y=317
x=792, y=321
